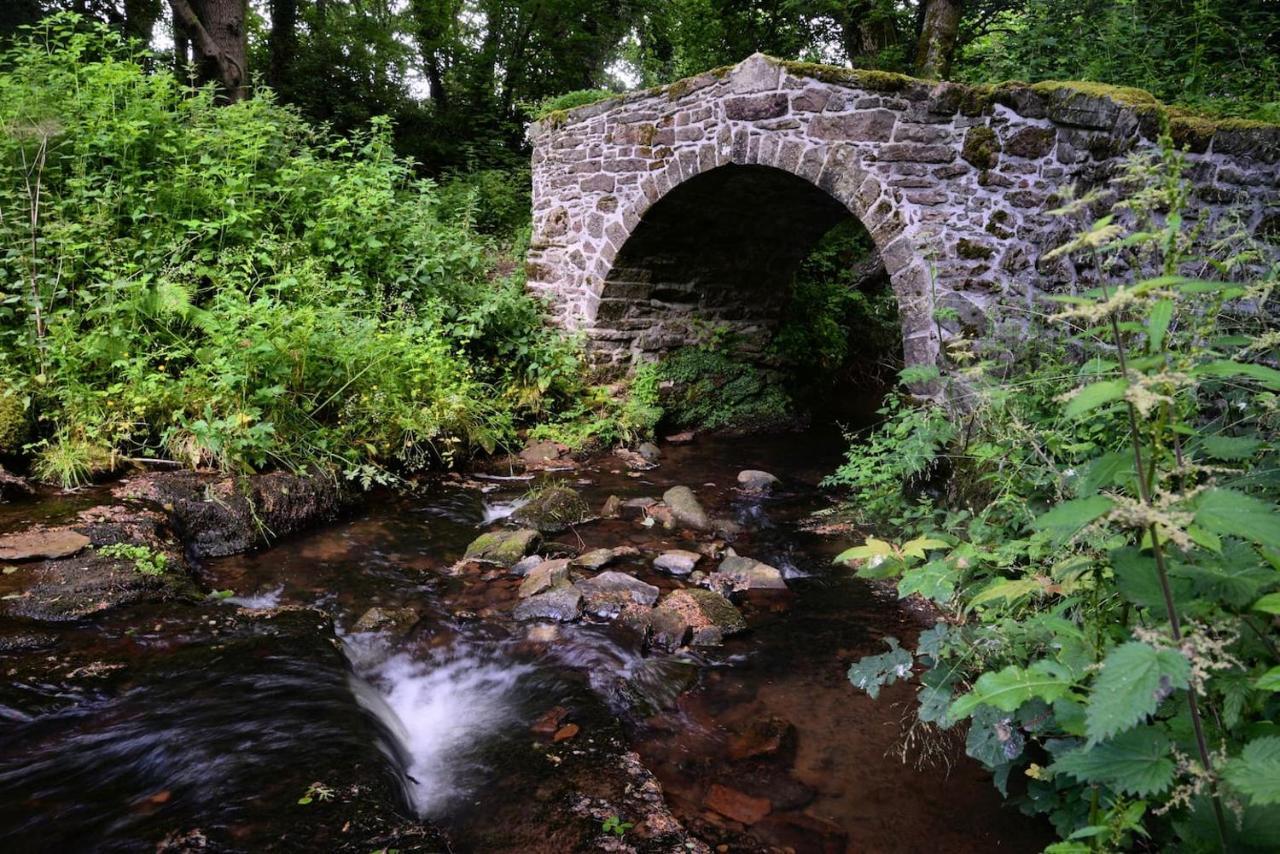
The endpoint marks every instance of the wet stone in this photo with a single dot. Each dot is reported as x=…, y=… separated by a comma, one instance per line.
x=42, y=544
x=709, y=615
x=736, y=805
x=545, y=576
x=677, y=561
x=595, y=559
x=525, y=564
x=667, y=629
x=609, y=592
x=562, y=605
x=553, y=510
x=746, y=573
x=382, y=619
x=756, y=482
x=685, y=508
x=505, y=547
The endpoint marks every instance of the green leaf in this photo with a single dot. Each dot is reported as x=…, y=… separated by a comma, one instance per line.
x=1139, y=582
x=1256, y=771
x=1007, y=589
x=1094, y=395
x=1065, y=520
x=1010, y=688
x=1269, y=681
x=1158, y=324
x=1226, y=369
x=935, y=580
x=1103, y=471
x=873, y=672
x=1135, y=678
x=1225, y=511
x=1230, y=448
x=1136, y=762
x=1269, y=604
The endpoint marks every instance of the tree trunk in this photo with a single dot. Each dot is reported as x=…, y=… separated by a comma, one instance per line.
x=140, y=19
x=217, y=32
x=282, y=43
x=938, y=30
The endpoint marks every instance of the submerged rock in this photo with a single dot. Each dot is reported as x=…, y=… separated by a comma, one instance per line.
x=545, y=576
x=218, y=515
x=756, y=482
x=610, y=592
x=503, y=547
x=736, y=805
x=677, y=561
x=744, y=573
x=42, y=544
x=553, y=509
x=596, y=558
x=612, y=507
x=666, y=629
x=681, y=438
x=379, y=619
x=709, y=615
x=561, y=604
x=685, y=508
x=636, y=508
x=633, y=460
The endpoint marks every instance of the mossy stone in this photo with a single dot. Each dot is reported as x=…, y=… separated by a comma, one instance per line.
x=981, y=147
x=504, y=548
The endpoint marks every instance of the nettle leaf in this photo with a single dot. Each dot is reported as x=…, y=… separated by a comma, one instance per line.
x=873, y=672
x=1136, y=762
x=873, y=548
x=1158, y=324
x=1269, y=681
x=1227, y=512
x=1225, y=369
x=1235, y=577
x=1066, y=519
x=1256, y=771
x=1138, y=581
x=1269, y=604
x=1230, y=448
x=1135, y=678
x=1008, y=689
x=994, y=738
x=930, y=642
x=935, y=580
x=1008, y=590
x=1106, y=470
x=1094, y=395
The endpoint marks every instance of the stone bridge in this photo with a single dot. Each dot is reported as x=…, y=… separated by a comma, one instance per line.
x=660, y=214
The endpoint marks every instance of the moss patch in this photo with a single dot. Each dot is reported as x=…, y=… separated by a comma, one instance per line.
x=13, y=422
x=861, y=78
x=972, y=250
x=981, y=147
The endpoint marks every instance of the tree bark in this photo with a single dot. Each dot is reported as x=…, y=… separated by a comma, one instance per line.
x=940, y=25
x=217, y=32
x=282, y=43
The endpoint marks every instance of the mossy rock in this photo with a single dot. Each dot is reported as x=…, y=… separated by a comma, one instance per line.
x=981, y=148
x=553, y=509
x=504, y=548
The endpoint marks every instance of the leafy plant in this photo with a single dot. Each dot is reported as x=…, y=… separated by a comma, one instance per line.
x=1114, y=537
x=146, y=560
x=615, y=825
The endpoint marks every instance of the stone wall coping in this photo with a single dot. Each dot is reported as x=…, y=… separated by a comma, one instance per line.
x=1059, y=100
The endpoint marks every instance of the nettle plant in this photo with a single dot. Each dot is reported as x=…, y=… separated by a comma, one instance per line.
x=1113, y=648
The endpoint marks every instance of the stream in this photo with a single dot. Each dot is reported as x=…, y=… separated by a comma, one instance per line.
x=268, y=719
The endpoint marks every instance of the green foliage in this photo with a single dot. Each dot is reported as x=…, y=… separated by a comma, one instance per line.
x=711, y=388
x=872, y=672
x=1108, y=540
x=145, y=560
x=231, y=287
x=1209, y=54
x=561, y=103
x=616, y=826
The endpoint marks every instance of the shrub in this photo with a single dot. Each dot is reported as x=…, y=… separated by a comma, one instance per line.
x=233, y=287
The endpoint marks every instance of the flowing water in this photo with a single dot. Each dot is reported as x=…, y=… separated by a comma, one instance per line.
x=243, y=721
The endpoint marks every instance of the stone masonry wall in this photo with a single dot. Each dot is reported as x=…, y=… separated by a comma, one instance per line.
x=952, y=182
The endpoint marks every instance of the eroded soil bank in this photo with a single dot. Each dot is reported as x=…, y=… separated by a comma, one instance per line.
x=364, y=686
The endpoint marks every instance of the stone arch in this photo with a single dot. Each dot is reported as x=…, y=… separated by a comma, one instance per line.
x=830, y=172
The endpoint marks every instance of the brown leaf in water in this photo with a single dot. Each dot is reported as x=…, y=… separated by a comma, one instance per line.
x=565, y=732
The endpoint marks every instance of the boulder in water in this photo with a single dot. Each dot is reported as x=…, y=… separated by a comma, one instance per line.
x=393, y=619
x=504, y=547
x=560, y=604
x=649, y=451
x=744, y=573
x=685, y=508
x=756, y=482
x=677, y=561
x=709, y=615
x=596, y=559
x=553, y=509
x=609, y=592
x=545, y=576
